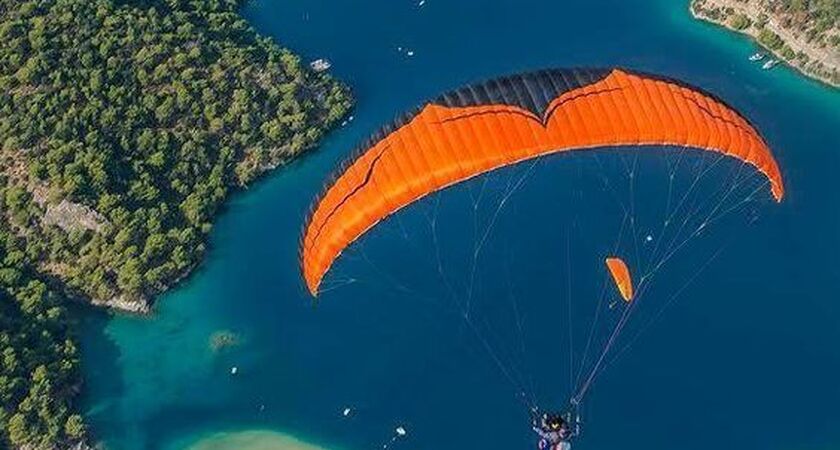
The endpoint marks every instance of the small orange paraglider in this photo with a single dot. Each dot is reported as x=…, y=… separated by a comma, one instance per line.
x=621, y=275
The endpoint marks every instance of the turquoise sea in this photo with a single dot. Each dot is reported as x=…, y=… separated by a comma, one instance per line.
x=747, y=357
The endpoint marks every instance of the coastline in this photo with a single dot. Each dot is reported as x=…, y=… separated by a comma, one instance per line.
x=121, y=246
x=819, y=64
x=143, y=304
x=126, y=132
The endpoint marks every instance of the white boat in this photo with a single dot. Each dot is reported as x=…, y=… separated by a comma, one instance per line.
x=770, y=64
x=320, y=65
x=757, y=57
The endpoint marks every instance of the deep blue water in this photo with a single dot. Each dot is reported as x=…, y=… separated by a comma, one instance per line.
x=745, y=358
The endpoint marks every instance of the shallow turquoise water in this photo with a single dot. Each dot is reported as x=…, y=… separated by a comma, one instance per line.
x=747, y=355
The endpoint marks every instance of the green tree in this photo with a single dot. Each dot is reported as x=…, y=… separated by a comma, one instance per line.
x=740, y=22
x=770, y=39
x=138, y=118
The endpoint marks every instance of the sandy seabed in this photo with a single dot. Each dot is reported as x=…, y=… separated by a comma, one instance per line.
x=252, y=440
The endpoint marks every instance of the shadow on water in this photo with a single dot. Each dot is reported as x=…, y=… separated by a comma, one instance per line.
x=100, y=364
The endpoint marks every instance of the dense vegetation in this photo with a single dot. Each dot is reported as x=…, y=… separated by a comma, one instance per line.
x=146, y=114
x=123, y=126
x=38, y=362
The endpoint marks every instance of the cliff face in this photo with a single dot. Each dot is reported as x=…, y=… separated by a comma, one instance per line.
x=803, y=33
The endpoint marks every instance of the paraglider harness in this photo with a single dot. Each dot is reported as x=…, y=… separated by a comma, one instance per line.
x=556, y=431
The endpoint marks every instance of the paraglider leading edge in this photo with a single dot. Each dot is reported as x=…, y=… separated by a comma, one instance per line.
x=500, y=122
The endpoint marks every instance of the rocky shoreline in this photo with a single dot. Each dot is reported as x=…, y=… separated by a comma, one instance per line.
x=810, y=49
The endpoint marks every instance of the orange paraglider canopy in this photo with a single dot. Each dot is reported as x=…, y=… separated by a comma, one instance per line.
x=500, y=122
x=621, y=275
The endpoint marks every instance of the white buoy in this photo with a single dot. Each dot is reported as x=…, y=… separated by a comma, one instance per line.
x=649, y=238
x=233, y=370
x=410, y=53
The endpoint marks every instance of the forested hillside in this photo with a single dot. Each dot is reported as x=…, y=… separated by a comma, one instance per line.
x=39, y=374
x=123, y=126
